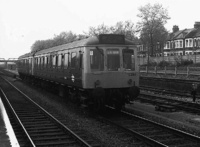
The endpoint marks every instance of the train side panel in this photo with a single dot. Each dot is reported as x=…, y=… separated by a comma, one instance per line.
x=63, y=67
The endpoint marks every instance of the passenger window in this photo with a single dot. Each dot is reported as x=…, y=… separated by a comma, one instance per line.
x=54, y=61
x=59, y=57
x=62, y=60
x=47, y=63
x=50, y=61
x=128, y=59
x=96, y=59
x=113, y=59
x=56, y=58
x=41, y=63
x=38, y=62
x=43, y=58
x=66, y=60
x=73, y=60
x=30, y=61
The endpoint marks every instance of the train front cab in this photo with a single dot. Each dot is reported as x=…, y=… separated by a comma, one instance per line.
x=112, y=73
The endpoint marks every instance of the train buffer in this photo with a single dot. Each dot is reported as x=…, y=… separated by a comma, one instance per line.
x=165, y=108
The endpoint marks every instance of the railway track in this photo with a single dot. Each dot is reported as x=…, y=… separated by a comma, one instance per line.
x=148, y=133
x=185, y=94
x=33, y=125
x=161, y=100
x=152, y=133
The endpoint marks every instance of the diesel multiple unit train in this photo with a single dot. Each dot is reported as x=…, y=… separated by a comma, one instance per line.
x=95, y=71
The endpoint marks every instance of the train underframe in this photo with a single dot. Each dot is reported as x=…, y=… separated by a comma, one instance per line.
x=95, y=99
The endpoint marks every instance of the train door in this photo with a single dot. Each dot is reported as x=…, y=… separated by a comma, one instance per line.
x=76, y=67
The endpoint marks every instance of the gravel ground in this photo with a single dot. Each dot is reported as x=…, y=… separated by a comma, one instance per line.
x=74, y=116
x=80, y=118
x=178, y=120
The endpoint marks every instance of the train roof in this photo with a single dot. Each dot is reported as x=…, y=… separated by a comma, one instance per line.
x=91, y=41
x=103, y=39
x=27, y=55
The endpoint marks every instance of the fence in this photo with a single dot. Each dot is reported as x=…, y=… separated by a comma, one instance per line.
x=172, y=59
x=186, y=71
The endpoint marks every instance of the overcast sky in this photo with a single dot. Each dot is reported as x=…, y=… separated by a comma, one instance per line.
x=22, y=22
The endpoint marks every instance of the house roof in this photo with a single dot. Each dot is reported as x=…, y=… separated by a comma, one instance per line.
x=186, y=33
x=197, y=34
x=191, y=33
x=173, y=36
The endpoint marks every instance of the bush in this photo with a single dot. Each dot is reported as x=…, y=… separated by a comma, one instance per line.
x=164, y=63
x=186, y=62
x=195, y=65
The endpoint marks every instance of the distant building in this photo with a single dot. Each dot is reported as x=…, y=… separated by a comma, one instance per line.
x=183, y=42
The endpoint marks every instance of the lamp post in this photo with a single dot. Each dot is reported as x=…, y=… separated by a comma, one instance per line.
x=150, y=46
x=194, y=49
x=147, y=59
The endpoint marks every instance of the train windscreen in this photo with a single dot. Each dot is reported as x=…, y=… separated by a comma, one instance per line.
x=113, y=59
x=96, y=59
x=128, y=60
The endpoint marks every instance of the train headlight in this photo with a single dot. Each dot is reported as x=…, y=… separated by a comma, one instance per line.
x=130, y=81
x=97, y=83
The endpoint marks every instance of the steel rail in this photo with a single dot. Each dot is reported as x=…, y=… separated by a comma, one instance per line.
x=16, y=116
x=53, y=118
x=148, y=140
x=187, y=138
x=179, y=132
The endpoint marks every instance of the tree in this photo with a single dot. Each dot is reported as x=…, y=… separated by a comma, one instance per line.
x=62, y=38
x=95, y=31
x=126, y=28
x=151, y=24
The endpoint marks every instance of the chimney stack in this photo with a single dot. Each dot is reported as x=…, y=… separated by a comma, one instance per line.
x=197, y=25
x=175, y=28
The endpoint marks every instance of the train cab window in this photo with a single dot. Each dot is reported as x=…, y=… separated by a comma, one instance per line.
x=128, y=59
x=113, y=59
x=96, y=59
x=73, y=60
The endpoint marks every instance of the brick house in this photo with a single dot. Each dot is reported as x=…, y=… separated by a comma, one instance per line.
x=183, y=42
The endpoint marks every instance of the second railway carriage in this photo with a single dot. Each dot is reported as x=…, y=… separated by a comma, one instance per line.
x=97, y=70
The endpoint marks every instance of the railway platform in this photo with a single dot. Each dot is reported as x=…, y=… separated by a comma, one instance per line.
x=7, y=137
x=4, y=141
